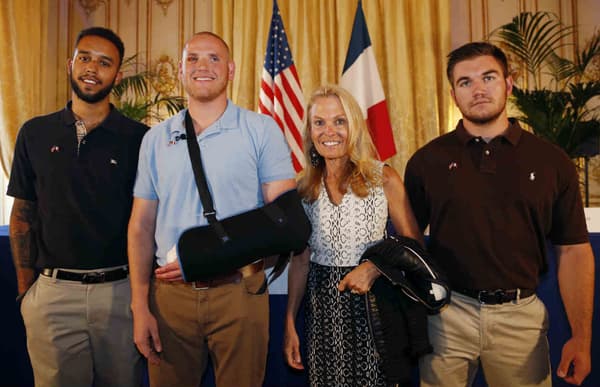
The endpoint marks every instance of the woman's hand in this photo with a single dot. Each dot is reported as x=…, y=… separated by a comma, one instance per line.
x=360, y=280
x=291, y=348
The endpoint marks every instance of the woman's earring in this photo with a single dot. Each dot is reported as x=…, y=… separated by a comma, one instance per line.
x=315, y=157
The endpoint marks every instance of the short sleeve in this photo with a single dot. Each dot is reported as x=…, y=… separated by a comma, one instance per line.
x=275, y=161
x=21, y=184
x=144, y=187
x=568, y=217
x=415, y=189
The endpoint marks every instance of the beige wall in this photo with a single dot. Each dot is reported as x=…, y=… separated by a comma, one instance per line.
x=154, y=28
x=475, y=19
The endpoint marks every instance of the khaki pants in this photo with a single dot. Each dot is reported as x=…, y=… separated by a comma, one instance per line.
x=80, y=335
x=229, y=323
x=508, y=340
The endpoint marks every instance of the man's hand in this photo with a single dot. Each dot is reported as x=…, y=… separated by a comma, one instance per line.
x=25, y=278
x=145, y=336
x=575, y=363
x=169, y=272
x=360, y=280
x=576, y=281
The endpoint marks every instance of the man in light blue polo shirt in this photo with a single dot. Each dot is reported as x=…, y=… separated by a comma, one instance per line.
x=247, y=164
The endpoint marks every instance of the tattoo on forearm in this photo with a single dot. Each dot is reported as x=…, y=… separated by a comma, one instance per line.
x=22, y=237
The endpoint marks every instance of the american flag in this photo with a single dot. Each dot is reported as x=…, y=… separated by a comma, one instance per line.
x=280, y=91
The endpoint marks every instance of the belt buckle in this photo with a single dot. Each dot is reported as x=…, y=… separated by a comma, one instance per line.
x=195, y=287
x=483, y=293
x=497, y=296
x=93, y=278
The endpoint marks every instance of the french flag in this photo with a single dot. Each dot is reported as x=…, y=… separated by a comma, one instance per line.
x=361, y=78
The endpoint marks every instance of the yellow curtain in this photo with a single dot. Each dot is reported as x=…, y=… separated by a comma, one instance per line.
x=22, y=23
x=410, y=39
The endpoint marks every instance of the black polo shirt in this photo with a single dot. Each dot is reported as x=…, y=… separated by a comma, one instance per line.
x=492, y=206
x=83, y=200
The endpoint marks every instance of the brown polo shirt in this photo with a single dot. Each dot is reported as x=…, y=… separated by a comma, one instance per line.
x=492, y=206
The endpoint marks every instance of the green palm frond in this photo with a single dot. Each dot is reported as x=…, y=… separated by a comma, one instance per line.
x=172, y=104
x=560, y=111
x=589, y=53
x=559, y=116
x=134, y=109
x=580, y=95
x=137, y=84
x=542, y=111
x=533, y=38
x=561, y=68
x=564, y=69
x=130, y=62
x=135, y=98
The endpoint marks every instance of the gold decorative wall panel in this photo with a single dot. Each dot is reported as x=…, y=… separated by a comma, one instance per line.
x=157, y=30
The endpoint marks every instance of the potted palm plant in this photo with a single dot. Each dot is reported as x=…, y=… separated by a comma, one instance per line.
x=556, y=96
x=135, y=97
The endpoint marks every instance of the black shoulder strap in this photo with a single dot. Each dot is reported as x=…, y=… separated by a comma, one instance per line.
x=200, y=177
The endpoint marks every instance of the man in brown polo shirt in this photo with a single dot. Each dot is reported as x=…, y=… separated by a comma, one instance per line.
x=492, y=194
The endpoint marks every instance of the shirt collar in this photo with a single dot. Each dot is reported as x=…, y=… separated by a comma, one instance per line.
x=111, y=122
x=512, y=133
x=228, y=120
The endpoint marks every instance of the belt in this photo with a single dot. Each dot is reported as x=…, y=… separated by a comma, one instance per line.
x=233, y=277
x=91, y=277
x=498, y=296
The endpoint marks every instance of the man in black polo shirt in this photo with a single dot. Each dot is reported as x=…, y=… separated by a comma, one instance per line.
x=492, y=194
x=72, y=179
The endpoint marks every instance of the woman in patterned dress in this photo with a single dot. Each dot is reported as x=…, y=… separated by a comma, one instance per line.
x=348, y=195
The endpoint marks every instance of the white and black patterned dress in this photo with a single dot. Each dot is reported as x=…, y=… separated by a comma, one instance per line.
x=340, y=348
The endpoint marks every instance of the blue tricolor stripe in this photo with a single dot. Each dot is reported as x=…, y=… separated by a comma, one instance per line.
x=359, y=40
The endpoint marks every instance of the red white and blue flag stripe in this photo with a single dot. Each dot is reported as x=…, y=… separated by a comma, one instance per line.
x=361, y=78
x=280, y=91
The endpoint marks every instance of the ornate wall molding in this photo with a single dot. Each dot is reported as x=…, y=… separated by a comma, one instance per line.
x=164, y=4
x=89, y=6
x=164, y=79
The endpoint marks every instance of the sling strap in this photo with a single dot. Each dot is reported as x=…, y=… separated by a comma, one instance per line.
x=207, y=203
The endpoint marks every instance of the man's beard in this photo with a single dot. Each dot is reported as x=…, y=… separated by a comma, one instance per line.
x=484, y=118
x=91, y=98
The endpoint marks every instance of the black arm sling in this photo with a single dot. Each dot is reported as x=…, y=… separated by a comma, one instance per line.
x=278, y=228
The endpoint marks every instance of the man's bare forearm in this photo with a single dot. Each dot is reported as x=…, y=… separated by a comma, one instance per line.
x=140, y=248
x=576, y=281
x=23, y=242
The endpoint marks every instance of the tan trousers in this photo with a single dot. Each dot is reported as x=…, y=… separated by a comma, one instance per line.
x=508, y=340
x=229, y=323
x=79, y=335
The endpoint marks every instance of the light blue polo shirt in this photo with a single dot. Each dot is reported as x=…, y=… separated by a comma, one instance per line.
x=240, y=151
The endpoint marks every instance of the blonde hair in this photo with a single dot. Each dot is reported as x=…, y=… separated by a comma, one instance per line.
x=360, y=172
